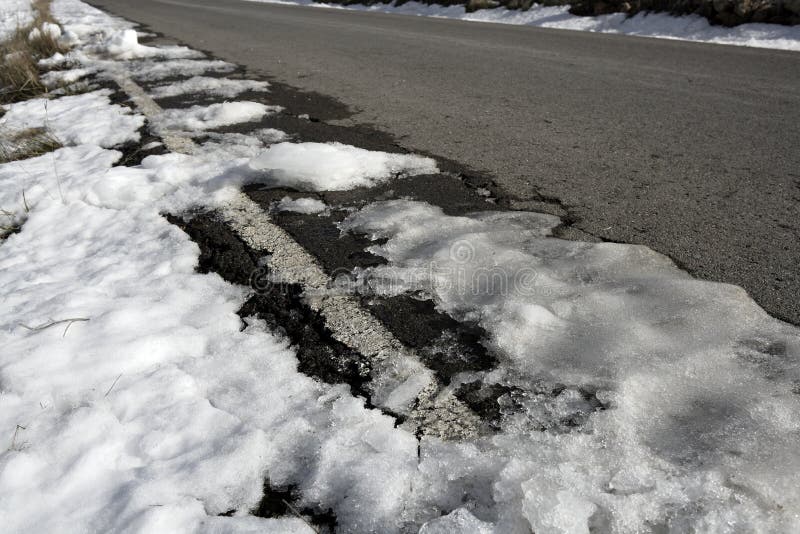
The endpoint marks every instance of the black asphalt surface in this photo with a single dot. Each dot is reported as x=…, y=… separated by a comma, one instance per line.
x=692, y=149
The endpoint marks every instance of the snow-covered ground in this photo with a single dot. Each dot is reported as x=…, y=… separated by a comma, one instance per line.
x=133, y=401
x=14, y=14
x=660, y=25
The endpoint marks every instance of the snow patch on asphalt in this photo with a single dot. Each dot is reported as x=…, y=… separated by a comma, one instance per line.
x=701, y=382
x=124, y=44
x=334, y=166
x=223, y=87
x=301, y=205
x=159, y=411
x=659, y=25
x=149, y=71
x=56, y=78
x=87, y=118
x=198, y=118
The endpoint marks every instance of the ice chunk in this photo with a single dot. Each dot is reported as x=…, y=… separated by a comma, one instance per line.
x=301, y=205
x=460, y=521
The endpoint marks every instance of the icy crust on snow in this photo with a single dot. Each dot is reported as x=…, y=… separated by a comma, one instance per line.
x=659, y=25
x=87, y=118
x=703, y=387
x=197, y=118
x=224, y=87
x=334, y=166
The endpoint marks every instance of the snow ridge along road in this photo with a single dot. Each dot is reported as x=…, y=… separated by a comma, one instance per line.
x=351, y=333
x=688, y=148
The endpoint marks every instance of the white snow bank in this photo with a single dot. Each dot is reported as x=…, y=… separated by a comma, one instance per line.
x=159, y=413
x=87, y=118
x=124, y=44
x=701, y=431
x=14, y=14
x=334, y=166
x=224, y=87
x=300, y=205
x=660, y=25
x=214, y=116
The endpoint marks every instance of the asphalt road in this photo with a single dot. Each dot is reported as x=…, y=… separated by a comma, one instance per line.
x=691, y=149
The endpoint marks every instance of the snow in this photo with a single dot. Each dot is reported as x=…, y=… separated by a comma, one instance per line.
x=159, y=411
x=47, y=28
x=301, y=205
x=460, y=521
x=700, y=434
x=87, y=118
x=58, y=78
x=214, y=116
x=148, y=71
x=334, y=166
x=659, y=25
x=14, y=14
x=124, y=44
x=223, y=87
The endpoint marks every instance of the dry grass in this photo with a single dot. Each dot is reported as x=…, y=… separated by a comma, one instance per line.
x=11, y=222
x=19, y=70
x=27, y=143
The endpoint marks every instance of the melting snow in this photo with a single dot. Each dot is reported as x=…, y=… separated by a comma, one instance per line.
x=702, y=427
x=86, y=118
x=124, y=44
x=214, y=116
x=334, y=166
x=158, y=70
x=159, y=412
x=224, y=87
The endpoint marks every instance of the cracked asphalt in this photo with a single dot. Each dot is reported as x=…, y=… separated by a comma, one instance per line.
x=692, y=149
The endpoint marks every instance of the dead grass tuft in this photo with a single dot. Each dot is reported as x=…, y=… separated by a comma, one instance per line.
x=27, y=143
x=19, y=70
x=11, y=222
